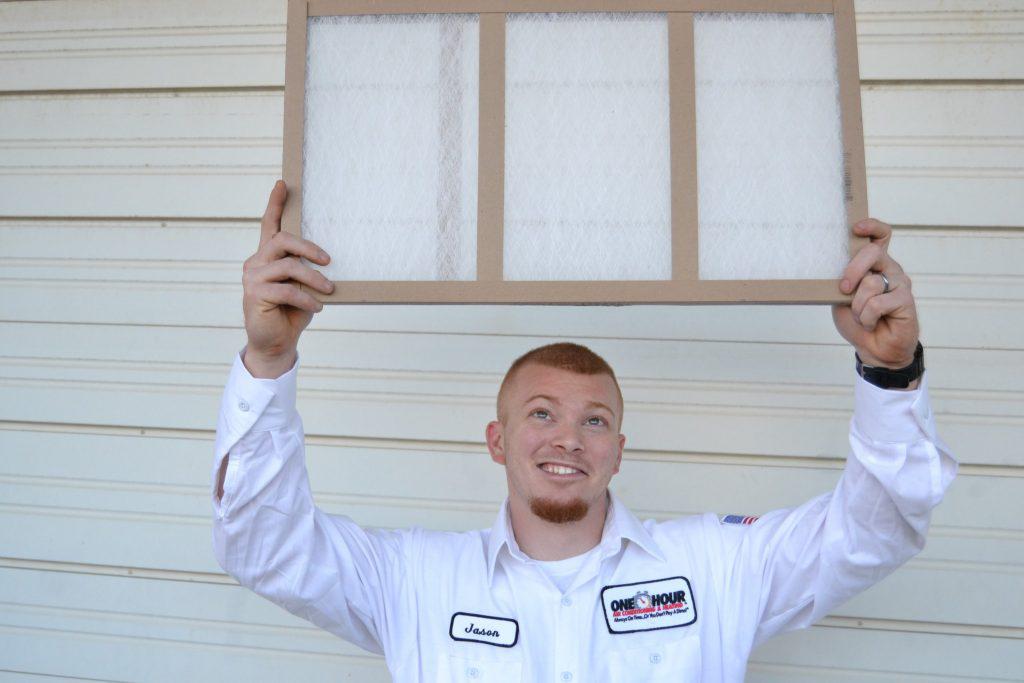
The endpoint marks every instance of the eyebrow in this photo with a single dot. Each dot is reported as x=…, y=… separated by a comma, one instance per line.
x=552, y=399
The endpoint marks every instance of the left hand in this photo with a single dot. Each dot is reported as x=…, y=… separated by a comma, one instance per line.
x=882, y=327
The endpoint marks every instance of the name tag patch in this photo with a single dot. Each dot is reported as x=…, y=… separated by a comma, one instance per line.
x=649, y=605
x=478, y=628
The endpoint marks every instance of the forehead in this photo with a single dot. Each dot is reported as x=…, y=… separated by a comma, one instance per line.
x=563, y=385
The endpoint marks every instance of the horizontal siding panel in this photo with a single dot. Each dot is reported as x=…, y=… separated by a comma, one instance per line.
x=911, y=593
x=947, y=322
x=113, y=246
x=95, y=491
x=88, y=44
x=138, y=657
x=102, y=44
x=185, y=242
x=220, y=151
x=847, y=655
x=473, y=364
x=932, y=158
x=940, y=40
x=940, y=155
x=926, y=286
x=787, y=420
x=203, y=613
x=196, y=620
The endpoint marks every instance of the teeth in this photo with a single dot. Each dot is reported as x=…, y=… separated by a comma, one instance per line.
x=558, y=469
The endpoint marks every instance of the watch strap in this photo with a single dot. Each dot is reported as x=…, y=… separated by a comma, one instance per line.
x=888, y=378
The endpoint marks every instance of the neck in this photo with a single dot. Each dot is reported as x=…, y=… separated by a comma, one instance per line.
x=543, y=540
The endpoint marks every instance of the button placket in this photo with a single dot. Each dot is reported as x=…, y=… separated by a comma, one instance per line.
x=567, y=646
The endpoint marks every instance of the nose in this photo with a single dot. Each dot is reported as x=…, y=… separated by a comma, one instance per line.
x=568, y=438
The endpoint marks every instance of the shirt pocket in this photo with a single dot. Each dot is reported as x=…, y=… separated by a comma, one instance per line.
x=657, y=662
x=462, y=669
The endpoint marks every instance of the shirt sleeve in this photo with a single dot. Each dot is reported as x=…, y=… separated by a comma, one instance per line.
x=791, y=567
x=269, y=535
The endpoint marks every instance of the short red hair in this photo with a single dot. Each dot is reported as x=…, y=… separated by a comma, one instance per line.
x=575, y=358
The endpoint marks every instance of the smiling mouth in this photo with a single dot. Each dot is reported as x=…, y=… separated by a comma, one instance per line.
x=561, y=470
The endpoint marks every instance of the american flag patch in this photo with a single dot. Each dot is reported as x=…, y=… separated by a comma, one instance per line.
x=739, y=519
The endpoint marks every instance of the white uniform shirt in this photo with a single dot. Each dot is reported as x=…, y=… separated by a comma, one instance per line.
x=682, y=600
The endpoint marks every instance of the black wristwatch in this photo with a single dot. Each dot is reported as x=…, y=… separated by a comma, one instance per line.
x=887, y=378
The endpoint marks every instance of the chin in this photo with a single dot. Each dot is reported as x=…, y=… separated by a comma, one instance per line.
x=559, y=511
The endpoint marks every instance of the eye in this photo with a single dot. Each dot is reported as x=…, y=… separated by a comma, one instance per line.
x=596, y=421
x=541, y=413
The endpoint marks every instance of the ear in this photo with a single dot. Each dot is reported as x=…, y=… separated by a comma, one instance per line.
x=618, y=459
x=496, y=441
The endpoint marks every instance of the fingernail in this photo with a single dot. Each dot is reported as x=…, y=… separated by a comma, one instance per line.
x=845, y=286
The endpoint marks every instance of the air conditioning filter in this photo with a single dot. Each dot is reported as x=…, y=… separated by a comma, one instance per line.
x=575, y=151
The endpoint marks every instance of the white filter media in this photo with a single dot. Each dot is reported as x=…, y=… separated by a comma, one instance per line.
x=389, y=178
x=769, y=147
x=587, y=186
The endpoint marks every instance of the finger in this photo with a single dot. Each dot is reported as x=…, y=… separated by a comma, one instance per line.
x=874, y=229
x=871, y=257
x=293, y=269
x=271, y=223
x=873, y=285
x=287, y=295
x=877, y=307
x=868, y=288
x=286, y=244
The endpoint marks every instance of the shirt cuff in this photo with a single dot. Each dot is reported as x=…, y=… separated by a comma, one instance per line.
x=251, y=404
x=887, y=415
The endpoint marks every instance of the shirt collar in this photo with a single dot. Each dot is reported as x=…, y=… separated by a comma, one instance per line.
x=620, y=525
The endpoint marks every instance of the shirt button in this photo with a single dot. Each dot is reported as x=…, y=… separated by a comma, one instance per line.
x=655, y=658
x=473, y=672
x=243, y=406
x=566, y=601
x=566, y=675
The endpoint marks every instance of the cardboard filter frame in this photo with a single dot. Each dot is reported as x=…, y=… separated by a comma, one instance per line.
x=489, y=287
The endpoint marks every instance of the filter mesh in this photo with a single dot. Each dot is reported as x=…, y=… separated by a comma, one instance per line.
x=769, y=147
x=587, y=187
x=390, y=150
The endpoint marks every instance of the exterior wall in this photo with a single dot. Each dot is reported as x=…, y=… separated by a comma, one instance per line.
x=138, y=143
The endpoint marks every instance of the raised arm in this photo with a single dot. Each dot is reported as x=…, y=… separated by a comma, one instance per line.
x=792, y=567
x=267, y=532
x=276, y=311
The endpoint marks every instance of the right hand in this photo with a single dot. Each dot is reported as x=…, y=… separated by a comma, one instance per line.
x=276, y=310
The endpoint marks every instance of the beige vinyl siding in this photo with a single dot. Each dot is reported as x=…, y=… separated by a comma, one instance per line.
x=138, y=142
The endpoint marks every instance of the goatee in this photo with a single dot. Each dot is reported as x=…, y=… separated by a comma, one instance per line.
x=558, y=512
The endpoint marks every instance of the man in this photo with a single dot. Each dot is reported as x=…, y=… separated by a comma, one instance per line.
x=568, y=585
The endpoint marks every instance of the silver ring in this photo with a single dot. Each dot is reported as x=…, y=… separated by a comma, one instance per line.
x=885, y=283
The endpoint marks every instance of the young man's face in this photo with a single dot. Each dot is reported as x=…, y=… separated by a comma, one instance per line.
x=558, y=437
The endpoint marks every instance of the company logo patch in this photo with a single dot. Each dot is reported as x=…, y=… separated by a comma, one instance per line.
x=478, y=628
x=649, y=605
x=739, y=519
